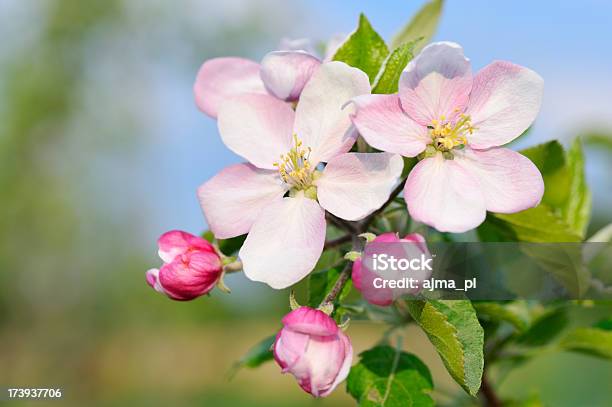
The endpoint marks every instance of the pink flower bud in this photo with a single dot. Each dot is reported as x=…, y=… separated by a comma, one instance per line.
x=191, y=267
x=312, y=348
x=363, y=277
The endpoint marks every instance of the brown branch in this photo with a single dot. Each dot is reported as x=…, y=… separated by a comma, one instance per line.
x=330, y=244
x=342, y=279
x=345, y=274
x=488, y=393
x=341, y=223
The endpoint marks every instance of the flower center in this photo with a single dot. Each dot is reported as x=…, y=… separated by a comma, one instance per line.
x=448, y=135
x=294, y=168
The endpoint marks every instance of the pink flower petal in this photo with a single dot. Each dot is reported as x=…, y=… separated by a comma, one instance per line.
x=220, y=78
x=152, y=276
x=310, y=321
x=285, y=73
x=322, y=118
x=176, y=242
x=191, y=275
x=509, y=181
x=353, y=185
x=436, y=83
x=505, y=100
x=389, y=237
x=444, y=195
x=233, y=199
x=288, y=347
x=257, y=127
x=385, y=126
x=325, y=358
x=418, y=239
x=285, y=242
x=363, y=280
x=347, y=359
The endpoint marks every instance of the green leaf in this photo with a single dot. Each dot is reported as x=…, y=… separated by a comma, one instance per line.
x=565, y=263
x=329, y=258
x=592, y=341
x=545, y=328
x=388, y=78
x=389, y=377
x=605, y=324
x=257, y=355
x=364, y=49
x=603, y=235
x=423, y=24
x=539, y=224
x=577, y=209
x=231, y=246
x=453, y=328
x=320, y=283
x=208, y=236
x=509, y=313
x=598, y=139
x=550, y=159
x=563, y=214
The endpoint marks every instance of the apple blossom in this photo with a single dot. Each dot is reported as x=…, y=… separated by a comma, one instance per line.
x=284, y=149
x=281, y=74
x=363, y=276
x=191, y=267
x=312, y=348
x=455, y=124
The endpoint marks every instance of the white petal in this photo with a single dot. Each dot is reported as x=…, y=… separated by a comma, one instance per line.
x=436, y=83
x=322, y=118
x=440, y=193
x=285, y=73
x=233, y=199
x=353, y=185
x=256, y=127
x=509, y=181
x=385, y=126
x=505, y=100
x=285, y=242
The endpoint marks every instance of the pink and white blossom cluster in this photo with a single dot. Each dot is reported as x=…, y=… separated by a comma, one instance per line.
x=294, y=119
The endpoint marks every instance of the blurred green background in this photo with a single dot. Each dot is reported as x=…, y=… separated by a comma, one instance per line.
x=101, y=149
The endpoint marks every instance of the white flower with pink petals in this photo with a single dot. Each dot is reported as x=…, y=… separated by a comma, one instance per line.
x=280, y=196
x=281, y=74
x=456, y=124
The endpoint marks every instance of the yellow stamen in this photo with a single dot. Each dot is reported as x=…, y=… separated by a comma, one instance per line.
x=294, y=167
x=447, y=135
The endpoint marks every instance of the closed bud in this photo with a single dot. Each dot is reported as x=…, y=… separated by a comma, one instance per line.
x=363, y=277
x=192, y=267
x=312, y=348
